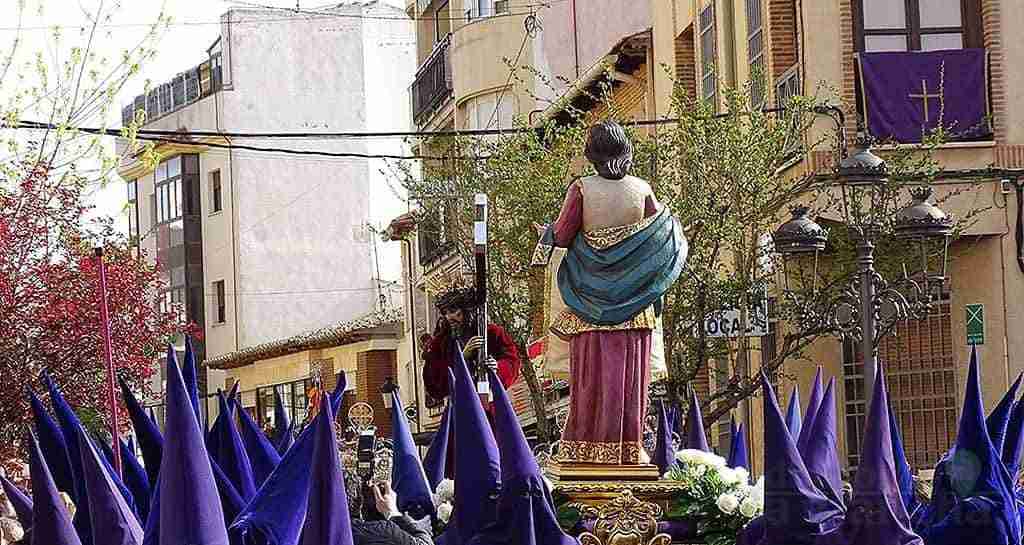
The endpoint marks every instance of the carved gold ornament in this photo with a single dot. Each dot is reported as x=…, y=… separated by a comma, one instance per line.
x=623, y=521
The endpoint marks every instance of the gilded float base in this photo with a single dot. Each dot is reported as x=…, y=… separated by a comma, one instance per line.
x=568, y=471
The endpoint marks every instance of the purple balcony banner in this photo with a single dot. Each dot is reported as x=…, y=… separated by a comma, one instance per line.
x=907, y=94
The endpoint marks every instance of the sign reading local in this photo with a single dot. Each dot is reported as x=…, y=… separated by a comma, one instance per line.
x=975, y=324
x=729, y=322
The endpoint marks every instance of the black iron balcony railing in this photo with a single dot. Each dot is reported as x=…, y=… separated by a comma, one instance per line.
x=433, y=83
x=186, y=88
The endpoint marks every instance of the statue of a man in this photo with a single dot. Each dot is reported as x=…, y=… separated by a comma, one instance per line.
x=623, y=252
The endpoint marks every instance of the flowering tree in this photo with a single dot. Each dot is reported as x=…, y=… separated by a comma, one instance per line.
x=49, y=295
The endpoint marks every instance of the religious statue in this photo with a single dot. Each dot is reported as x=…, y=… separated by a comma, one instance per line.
x=457, y=302
x=623, y=252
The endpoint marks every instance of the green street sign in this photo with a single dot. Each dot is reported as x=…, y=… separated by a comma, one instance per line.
x=976, y=324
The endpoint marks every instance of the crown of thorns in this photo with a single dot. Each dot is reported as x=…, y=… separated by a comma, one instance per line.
x=452, y=290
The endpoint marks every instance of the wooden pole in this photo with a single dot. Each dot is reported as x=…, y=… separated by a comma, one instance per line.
x=111, y=391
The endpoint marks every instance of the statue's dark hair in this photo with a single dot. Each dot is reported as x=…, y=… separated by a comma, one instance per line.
x=609, y=150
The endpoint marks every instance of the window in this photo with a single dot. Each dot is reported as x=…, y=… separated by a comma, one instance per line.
x=220, y=295
x=442, y=22
x=755, y=52
x=485, y=8
x=294, y=397
x=917, y=25
x=168, y=190
x=216, y=195
x=709, y=82
x=133, y=211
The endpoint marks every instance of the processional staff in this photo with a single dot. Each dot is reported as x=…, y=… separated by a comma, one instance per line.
x=480, y=257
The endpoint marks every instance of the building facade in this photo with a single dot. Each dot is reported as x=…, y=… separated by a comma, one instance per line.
x=260, y=246
x=713, y=44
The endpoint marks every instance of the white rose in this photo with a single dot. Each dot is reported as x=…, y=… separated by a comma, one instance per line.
x=749, y=508
x=727, y=503
x=444, y=512
x=700, y=469
x=446, y=490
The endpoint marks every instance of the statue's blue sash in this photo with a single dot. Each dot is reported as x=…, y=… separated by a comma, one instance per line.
x=611, y=285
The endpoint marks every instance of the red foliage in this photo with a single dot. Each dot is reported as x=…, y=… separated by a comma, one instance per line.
x=49, y=303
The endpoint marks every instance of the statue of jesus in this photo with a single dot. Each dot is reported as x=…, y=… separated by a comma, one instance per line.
x=623, y=252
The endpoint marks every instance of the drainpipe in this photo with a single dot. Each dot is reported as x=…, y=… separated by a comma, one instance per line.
x=411, y=301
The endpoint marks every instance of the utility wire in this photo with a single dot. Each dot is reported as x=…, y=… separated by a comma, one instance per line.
x=313, y=15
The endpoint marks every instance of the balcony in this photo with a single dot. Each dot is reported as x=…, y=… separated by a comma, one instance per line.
x=433, y=83
x=186, y=88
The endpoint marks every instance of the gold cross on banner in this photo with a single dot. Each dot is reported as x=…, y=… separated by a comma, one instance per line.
x=924, y=96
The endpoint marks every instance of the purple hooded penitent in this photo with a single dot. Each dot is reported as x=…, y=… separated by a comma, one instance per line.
x=339, y=393
x=114, y=522
x=327, y=517
x=795, y=512
x=53, y=446
x=998, y=420
x=526, y=513
x=971, y=483
x=262, y=455
x=876, y=514
x=50, y=520
x=817, y=391
x=151, y=440
x=664, y=454
x=189, y=374
x=793, y=420
x=477, y=466
x=822, y=455
x=904, y=477
x=189, y=504
x=231, y=455
x=437, y=454
x=696, y=439
x=1014, y=439
x=282, y=427
x=738, y=456
x=408, y=479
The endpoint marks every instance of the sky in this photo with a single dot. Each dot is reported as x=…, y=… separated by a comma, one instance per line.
x=194, y=27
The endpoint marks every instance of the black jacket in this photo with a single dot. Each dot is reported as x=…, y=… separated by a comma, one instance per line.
x=397, y=531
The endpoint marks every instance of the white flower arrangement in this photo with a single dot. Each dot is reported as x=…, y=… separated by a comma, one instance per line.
x=719, y=497
x=445, y=491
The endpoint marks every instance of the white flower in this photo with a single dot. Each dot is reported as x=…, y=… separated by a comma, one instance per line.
x=734, y=475
x=749, y=508
x=446, y=490
x=727, y=503
x=444, y=512
x=699, y=457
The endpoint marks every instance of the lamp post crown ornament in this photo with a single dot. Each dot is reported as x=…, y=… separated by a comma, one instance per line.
x=800, y=234
x=862, y=167
x=922, y=218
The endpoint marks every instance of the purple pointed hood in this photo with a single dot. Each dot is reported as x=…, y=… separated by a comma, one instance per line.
x=231, y=455
x=998, y=420
x=822, y=456
x=794, y=511
x=696, y=439
x=904, y=477
x=53, y=446
x=817, y=391
x=339, y=392
x=793, y=420
x=875, y=490
x=50, y=521
x=738, y=456
x=151, y=440
x=477, y=466
x=275, y=514
x=327, y=517
x=135, y=478
x=22, y=504
x=282, y=427
x=437, y=454
x=664, y=454
x=190, y=375
x=526, y=514
x=114, y=522
x=1014, y=439
x=70, y=426
x=408, y=479
x=190, y=507
x=262, y=455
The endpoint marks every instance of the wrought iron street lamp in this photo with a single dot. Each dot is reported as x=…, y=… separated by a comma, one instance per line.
x=870, y=307
x=386, y=390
